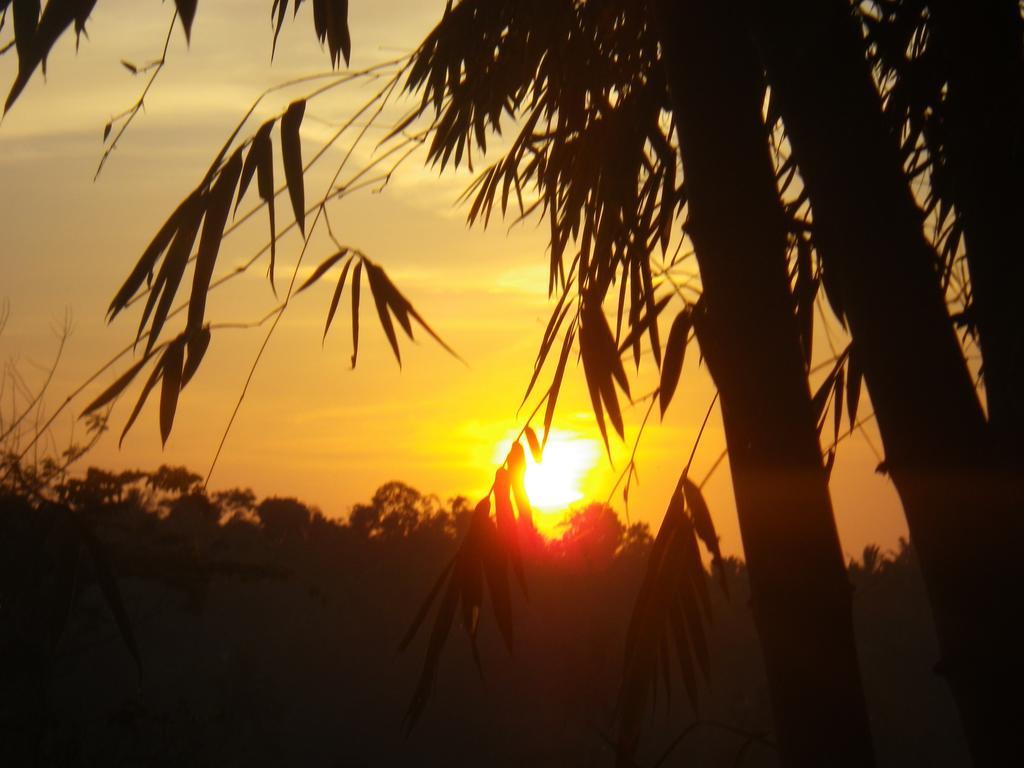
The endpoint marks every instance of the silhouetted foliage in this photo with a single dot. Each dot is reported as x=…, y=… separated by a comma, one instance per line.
x=263, y=649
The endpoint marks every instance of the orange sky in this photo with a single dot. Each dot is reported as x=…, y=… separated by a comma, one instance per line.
x=310, y=426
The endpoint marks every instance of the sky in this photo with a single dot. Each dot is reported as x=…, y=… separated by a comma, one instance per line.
x=310, y=426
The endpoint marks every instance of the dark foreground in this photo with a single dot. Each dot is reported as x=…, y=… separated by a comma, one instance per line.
x=267, y=636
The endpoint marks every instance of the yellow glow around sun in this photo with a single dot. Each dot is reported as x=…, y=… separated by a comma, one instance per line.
x=556, y=483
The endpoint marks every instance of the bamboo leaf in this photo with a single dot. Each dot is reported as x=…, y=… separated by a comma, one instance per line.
x=675, y=354
x=148, y=260
x=187, y=14
x=593, y=373
x=217, y=211
x=337, y=296
x=854, y=378
x=291, y=156
x=380, y=301
x=117, y=387
x=838, y=397
x=326, y=264
x=338, y=39
x=265, y=186
x=355, y=310
x=172, y=270
x=442, y=626
x=197, y=345
x=421, y=614
x=280, y=7
x=173, y=360
x=556, y=382
x=261, y=145
x=704, y=526
x=517, y=474
x=400, y=305
x=806, y=290
x=502, y=545
x=146, y=389
x=638, y=329
x=531, y=440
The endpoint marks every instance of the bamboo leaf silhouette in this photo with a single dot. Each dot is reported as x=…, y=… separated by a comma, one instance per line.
x=165, y=287
x=504, y=549
x=550, y=333
x=400, y=305
x=469, y=570
x=675, y=354
x=669, y=599
x=280, y=8
x=35, y=35
x=117, y=387
x=337, y=296
x=425, y=607
x=146, y=263
x=265, y=186
x=187, y=14
x=639, y=328
x=602, y=364
x=356, y=275
x=325, y=265
x=854, y=377
x=217, y=211
x=516, y=462
x=497, y=582
x=832, y=293
x=534, y=443
x=704, y=525
x=827, y=387
x=173, y=360
x=291, y=156
x=556, y=382
x=380, y=301
x=839, y=401
x=146, y=389
x=330, y=18
x=26, y=19
x=442, y=626
x=261, y=144
x=806, y=291
x=196, y=348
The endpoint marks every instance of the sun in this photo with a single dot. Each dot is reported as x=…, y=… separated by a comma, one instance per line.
x=556, y=482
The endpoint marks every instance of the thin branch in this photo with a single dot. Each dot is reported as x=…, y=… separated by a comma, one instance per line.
x=138, y=106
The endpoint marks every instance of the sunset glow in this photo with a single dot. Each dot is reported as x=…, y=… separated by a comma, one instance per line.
x=559, y=480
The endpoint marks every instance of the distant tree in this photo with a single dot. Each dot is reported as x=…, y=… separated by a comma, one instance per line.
x=395, y=511
x=284, y=519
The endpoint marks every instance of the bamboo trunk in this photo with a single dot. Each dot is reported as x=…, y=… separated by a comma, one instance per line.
x=982, y=45
x=748, y=334
x=868, y=230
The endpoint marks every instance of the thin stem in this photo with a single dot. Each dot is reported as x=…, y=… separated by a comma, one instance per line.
x=134, y=110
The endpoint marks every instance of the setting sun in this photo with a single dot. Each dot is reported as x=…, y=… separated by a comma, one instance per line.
x=557, y=482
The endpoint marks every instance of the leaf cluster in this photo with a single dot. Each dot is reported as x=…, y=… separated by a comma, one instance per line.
x=669, y=615
x=490, y=549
